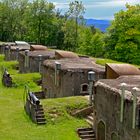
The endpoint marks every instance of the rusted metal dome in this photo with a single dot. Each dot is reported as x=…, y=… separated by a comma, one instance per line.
x=115, y=70
x=38, y=47
x=65, y=54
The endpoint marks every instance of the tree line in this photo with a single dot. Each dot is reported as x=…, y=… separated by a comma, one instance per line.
x=40, y=22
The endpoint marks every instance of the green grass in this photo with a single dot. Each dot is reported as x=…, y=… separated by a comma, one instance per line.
x=16, y=125
x=104, y=61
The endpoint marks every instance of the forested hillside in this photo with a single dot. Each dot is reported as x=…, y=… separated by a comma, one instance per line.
x=39, y=22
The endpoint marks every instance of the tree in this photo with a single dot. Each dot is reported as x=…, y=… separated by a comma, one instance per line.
x=122, y=41
x=75, y=12
x=40, y=18
x=11, y=17
x=91, y=42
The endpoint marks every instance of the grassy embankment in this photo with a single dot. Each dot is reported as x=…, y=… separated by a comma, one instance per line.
x=16, y=125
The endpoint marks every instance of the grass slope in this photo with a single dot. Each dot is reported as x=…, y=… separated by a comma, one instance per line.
x=16, y=125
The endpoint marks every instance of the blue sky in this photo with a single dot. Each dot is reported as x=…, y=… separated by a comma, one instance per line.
x=97, y=9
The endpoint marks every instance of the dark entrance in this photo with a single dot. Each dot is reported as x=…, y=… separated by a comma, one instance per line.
x=114, y=136
x=101, y=130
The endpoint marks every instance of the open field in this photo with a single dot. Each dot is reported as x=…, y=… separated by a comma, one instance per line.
x=16, y=125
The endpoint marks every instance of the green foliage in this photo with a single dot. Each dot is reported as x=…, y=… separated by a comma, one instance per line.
x=91, y=43
x=104, y=61
x=123, y=38
x=40, y=18
x=58, y=110
x=74, y=14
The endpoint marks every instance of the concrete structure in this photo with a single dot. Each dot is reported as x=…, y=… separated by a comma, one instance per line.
x=30, y=61
x=68, y=77
x=113, y=71
x=117, y=108
x=11, y=52
x=38, y=48
x=59, y=54
x=4, y=44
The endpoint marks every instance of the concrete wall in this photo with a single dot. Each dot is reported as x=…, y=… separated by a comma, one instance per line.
x=107, y=108
x=69, y=82
x=2, y=48
x=33, y=64
x=21, y=60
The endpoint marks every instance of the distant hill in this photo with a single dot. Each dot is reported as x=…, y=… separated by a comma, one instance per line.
x=101, y=24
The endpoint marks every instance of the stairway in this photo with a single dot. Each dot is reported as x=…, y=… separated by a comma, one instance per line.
x=39, y=115
x=86, y=133
x=90, y=119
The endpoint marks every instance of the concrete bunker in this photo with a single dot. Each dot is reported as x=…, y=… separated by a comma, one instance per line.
x=118, y=105
x=12, y=52
x=31, y=61
x=59, y=54
x=113, y=71
x=68, y=77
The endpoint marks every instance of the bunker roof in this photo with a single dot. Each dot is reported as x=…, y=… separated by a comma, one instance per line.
x=9, y=43
x=20, y=47
x=47, y=53
x=115, y=85
x=124, y=69
x=38, y=47
x=65, y=54
x=75, y=64
x=21, y=43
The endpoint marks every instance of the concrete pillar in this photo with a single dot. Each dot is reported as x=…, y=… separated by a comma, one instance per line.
x=123, y=85
x=57, y=70
x=134, y=93
x=40, y=62
x=17, y=53
x=26, y=63
x=9, y=51
x=91, y=79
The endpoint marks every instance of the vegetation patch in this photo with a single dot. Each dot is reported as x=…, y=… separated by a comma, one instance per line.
x=104, y=61
x=15, y=123
x=60, y=109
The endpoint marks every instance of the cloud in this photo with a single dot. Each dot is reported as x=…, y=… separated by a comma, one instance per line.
x=61, y=5
x=111, y=3
x=98, y=9
x=100, y=3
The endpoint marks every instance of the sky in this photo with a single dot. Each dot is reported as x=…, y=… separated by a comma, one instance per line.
x=97, y=9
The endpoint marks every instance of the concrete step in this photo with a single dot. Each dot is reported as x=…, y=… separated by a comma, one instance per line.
x=41, y=123
x=84, y=129
x=86, y=133
x=87, y=136
x=39, y=109
x=89, y=139
x=39, y=106
x=40, y=116
x=89, y=122
x=40, y=119
x=39, y=112
x=90, y=118
x=92, y=114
